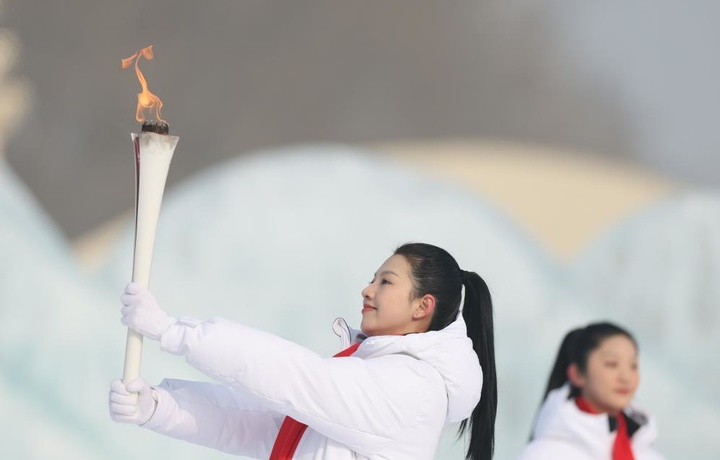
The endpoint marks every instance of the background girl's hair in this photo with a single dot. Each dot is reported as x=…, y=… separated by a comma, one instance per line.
x=558, y=374
x=575, y=348
x=435, y=272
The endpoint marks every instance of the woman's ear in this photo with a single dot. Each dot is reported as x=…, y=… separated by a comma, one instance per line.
x=425, y=308
x=575, y=376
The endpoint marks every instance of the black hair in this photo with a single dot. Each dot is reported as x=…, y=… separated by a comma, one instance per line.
x=434, y=271
x=575, y=348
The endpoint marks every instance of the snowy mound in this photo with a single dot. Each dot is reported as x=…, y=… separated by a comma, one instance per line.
x=662, y=267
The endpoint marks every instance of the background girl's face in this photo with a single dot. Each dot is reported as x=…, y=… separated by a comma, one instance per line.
x=611, y=376
x=388, y=301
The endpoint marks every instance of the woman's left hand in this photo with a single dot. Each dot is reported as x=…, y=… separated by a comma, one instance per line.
x=141, y=312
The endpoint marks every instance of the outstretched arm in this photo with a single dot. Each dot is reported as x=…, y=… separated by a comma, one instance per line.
x=364, y=404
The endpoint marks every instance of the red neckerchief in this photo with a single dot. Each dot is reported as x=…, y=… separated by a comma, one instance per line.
x=291, y=431
x=622, y=449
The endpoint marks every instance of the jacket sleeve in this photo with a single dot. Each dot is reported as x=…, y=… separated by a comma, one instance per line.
x=216, y=416
x=363, y=404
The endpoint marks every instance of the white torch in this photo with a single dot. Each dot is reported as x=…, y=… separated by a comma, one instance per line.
x=154, y=149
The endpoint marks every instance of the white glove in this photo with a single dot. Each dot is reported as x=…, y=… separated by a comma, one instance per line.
x=135, y=403
x=141, y=312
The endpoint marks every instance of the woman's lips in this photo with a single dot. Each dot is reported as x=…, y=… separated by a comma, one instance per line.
x=367, y=308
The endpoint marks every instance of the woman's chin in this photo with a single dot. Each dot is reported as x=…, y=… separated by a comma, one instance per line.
x=368, y=328
x=365, y=329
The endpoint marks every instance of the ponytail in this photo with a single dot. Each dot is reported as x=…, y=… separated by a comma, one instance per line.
x=436, y=272
x=478, y=315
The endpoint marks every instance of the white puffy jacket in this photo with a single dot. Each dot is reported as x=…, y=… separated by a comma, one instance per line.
x=389, y=400
x=564, y=432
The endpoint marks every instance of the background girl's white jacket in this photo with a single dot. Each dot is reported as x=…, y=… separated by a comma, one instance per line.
x=564, y=432
x=390, y=400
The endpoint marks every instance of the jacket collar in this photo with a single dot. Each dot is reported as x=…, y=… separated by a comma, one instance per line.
x=449, y=351
x=348, y=336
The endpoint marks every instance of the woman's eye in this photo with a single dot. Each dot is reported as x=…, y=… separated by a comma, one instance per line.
x=384, y=281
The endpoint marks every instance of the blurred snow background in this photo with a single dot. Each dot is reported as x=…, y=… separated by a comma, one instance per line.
x=284, y=239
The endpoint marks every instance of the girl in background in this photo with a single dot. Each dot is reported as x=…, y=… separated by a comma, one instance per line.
x=587, y=413
x=418, y=364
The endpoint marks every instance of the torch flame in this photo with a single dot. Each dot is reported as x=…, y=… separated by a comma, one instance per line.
x=147, y=101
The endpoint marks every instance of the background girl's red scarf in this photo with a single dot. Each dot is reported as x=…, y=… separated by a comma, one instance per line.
x=622, y=449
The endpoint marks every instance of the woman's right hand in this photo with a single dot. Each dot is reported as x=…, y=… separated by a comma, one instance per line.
x=140, y=312
x=134, y=403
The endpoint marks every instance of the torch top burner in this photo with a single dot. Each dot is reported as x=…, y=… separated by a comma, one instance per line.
x=153, y=127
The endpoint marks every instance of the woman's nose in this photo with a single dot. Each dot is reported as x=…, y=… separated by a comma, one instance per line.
x=366, y=292
x=625, y=375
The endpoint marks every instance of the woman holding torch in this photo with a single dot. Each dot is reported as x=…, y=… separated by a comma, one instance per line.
x=419, y=362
